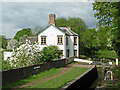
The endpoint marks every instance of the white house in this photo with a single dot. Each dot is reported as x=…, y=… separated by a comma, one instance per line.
x=63, y=37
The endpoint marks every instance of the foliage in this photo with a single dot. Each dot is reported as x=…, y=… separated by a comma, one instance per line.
x=88, y=41
x=27, y=54
x=61, y=80
x=6, y=65
x=40, y=76
x=108, y=14
x=22, y=32
x=111, y=54
x=12, y=44
x=3, y=41
x=49, y=53
x=102, y=37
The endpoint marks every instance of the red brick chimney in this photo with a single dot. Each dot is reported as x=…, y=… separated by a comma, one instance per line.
x=69, y=27
x=51, y=19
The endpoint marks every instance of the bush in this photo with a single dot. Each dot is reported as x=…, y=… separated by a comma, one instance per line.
x=27, y=54
x=6, y=65
x=50, y=52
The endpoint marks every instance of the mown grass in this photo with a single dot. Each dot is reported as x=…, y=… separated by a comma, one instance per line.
x=40, y=76
x=61, y=80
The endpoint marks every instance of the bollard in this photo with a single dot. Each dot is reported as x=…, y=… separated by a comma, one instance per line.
x=117, y=61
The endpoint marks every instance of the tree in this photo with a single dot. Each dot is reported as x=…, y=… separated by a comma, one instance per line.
x=27, y=54
x=12, y=44
x=3, y=41
x=102, y=37
x=88, y=42
x=22, y=32
x=108, y=14
x=50, y=52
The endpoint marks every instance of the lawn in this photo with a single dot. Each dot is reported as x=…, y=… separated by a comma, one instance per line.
x=40, y=76
x=58, y=82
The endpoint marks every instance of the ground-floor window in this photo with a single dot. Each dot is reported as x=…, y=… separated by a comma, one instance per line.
x=67, y=53
x=75, y=53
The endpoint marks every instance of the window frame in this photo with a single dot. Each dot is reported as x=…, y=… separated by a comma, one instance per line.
x=43, y=40
x=75, y=40
x=59, y=37
x=75, y=54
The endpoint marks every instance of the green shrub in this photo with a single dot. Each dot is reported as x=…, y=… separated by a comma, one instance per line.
x=50, y=52
x=6, y=65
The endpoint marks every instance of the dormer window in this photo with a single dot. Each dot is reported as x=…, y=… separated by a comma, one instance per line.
x=75, y=40
x=60, y=39
x=43, y=40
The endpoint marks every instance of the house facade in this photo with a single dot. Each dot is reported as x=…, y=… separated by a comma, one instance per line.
x=63, y=37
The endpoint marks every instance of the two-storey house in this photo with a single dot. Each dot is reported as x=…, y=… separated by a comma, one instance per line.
x=63, y=37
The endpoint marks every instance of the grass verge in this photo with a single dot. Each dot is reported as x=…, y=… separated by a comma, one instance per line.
x=61, y=80
x=40, y=76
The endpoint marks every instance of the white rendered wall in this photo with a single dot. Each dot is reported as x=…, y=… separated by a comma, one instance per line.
x=73, y=47
x=77, y=46
x=51, y=38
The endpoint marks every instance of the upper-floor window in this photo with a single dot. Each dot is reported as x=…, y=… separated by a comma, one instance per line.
x=66, y=40
x=75, y=40
x=43, y=40
x=60, y=39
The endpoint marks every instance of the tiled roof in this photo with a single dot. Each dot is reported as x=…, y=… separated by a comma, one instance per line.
x=67, y=31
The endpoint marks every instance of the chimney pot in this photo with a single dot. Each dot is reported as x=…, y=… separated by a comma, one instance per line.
x=69, y=27
x=51, y=19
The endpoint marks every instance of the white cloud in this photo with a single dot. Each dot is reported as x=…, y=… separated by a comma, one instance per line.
x=18, y=15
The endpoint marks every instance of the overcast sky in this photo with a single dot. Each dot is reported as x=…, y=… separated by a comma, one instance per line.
x=19, y=15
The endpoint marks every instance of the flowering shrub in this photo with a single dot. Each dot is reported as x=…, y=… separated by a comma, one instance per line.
x=27, y=54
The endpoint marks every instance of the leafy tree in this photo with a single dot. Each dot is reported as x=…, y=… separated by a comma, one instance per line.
x=108, y=14
x=27, y=54
x=102, y=37
x=12, y=44
x=88, y=42
x=22, y=32
x=3, y=41
x=49, y=53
